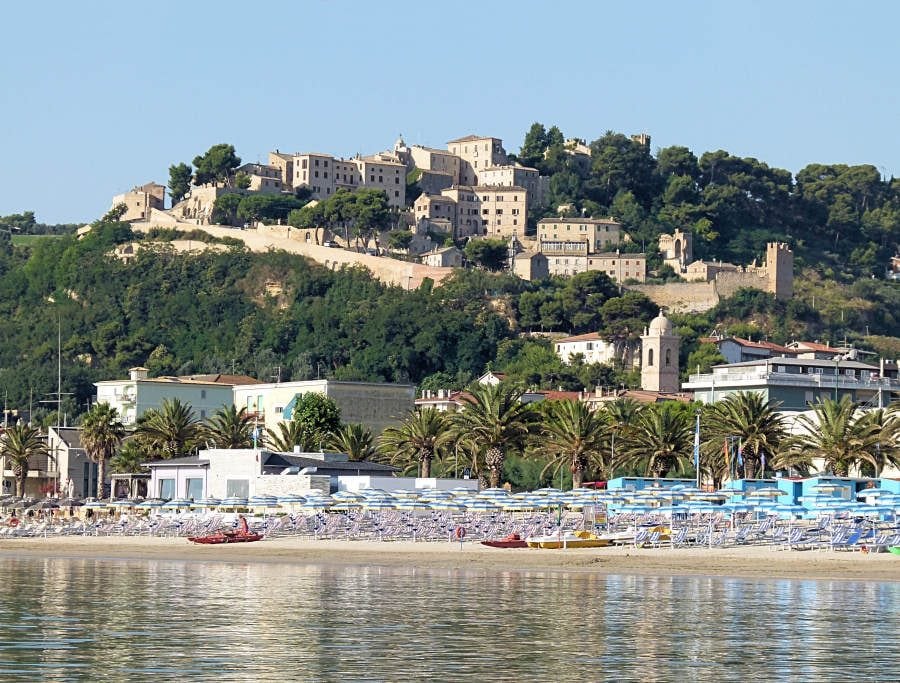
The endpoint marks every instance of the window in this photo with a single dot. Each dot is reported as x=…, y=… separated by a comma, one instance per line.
x=499, y=197
x=668, y=355
x=499, y=212
x=317, y=174
x=590, y=346
x=371, y=179
x=396, y=181
x=167, y=489
x=380, y=179
x=193, y=489
x=239, y=488
x=325, y=174
x=396, y=193
x=325, y=164
x=650, y=357
x=317, y=162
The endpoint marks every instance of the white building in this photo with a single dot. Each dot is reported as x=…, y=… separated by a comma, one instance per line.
x=591, y=346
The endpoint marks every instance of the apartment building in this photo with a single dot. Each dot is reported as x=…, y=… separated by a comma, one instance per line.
x=599, y=233
x=480, y=210
x=323, y=174
x=476, y=154
x=514, y=175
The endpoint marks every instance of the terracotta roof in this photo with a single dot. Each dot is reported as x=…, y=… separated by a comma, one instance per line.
x=471, y=138
x=551, y=395
x=814, y=346
x=640, y=395
x=224, y=379
x=587, y=336
x=777, y=348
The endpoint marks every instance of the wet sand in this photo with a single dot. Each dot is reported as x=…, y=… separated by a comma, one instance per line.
x=751, y=562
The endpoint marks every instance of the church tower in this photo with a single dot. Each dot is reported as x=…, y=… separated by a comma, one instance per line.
x=659, y=357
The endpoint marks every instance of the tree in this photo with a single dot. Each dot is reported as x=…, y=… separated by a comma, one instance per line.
x=101, y=435
x=355, y=440
x=179, y=182
x=573, y=435
x=242, y=181
x=884, y=427
x=318, y=417
x=229, y=428
x=216, y=165
x=19, y=444
x=494, y=421
x=129, y=458
x=659, y=441
x=225, y=208
x=418, y=440
x=287, y=436
x=254, y=207
x=169, y=431
x=488, y=253
x=833, y=433
x=754, y=421
x=703, y=358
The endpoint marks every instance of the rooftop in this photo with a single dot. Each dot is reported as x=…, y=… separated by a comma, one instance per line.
x=471, y=138
x=588, y=336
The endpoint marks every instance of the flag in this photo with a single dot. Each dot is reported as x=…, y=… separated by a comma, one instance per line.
x=762, y=460
x=740, y=455
x=727, y=455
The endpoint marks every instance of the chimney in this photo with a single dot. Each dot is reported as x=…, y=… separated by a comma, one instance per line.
x=138, y=373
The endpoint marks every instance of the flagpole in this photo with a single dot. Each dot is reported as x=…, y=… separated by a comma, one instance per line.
x=697, y=448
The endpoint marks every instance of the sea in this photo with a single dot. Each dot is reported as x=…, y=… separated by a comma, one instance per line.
x=123, y=620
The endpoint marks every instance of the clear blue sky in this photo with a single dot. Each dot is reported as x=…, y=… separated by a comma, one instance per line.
x=98, y=97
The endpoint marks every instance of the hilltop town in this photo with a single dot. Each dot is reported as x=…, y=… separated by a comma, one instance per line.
x=434, y=203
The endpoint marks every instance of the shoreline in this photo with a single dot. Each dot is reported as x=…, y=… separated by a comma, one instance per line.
x=740, y=562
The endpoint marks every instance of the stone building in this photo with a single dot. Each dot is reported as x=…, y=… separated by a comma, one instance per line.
x=476, y=153
x=677, y=250
x=139, y=201
x=601, y=234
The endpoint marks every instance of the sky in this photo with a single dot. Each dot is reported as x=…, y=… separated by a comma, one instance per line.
x=98, y=97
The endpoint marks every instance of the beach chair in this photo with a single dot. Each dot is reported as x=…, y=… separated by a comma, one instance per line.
x=846, y=541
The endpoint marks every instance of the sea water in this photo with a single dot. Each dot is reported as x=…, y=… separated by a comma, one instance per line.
x=79, y=619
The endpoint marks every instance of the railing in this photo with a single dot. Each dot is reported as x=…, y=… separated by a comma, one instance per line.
x=805, y=379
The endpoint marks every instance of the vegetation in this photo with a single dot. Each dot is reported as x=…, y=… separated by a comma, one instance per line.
x=21, y=444
x=101, y=435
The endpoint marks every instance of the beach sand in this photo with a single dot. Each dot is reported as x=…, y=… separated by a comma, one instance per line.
x=751, y=562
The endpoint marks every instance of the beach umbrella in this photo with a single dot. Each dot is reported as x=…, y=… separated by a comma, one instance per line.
x=70, y=502
x=94, y=504
x=177, y=503
x=207, y=502
x=42, y=505
x=873, y=493
x=767, y=491
x=152, y=503
x=347, y=497
x=481, y=506
x=447, y=505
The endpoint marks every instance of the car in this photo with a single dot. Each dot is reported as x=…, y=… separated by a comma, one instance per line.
x=327, y=243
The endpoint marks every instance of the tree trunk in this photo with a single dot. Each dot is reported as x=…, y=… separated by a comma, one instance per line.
x=20, y=473
x=749, y=467
x=101, y=478
x=577, y=477
x=494, y=461
x=426, y=465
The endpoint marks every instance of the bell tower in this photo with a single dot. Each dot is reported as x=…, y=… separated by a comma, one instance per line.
x=659, y=356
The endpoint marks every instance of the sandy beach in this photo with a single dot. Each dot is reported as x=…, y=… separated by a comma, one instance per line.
x=751, y=562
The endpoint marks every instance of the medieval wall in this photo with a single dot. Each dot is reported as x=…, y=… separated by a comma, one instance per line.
x=681, y=297
x=728, y=282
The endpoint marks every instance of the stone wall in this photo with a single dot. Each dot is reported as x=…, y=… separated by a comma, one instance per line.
x=727, y=283
x=681, y=297
x=288, y=484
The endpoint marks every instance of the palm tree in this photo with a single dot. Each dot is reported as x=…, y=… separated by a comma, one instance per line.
x=101, y=435
x=835, y=434
x=619, y=414
x=288, y=435
x=229, y=428
x=494, y=420
x=751, y=418
x=878, y=435
x=21, y=443
x=170, y=431
x=354, y=439
x=421, y=438
x=659, y=441
x=574, y=435
x=130, y=458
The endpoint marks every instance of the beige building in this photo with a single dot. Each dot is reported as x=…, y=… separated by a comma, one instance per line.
x=140, y=200
x=476, y=154
x=659, y=356
x=514, y=175
x=600, y=233
x=285, y=165
x=323, y=174
x=481, y=210
x=530, y=265
x=436, y=160
x=374, y=404
x=263, y=178
x=677, y=250
x=570, y=257
x=448, y=257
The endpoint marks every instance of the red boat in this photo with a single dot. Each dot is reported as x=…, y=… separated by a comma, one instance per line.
x=215, y=539
x=242, y=535
x=511, y=541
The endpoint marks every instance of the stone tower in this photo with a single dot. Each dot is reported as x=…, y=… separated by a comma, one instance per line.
x=677, y=250
x=659, y=356
x=780, y=270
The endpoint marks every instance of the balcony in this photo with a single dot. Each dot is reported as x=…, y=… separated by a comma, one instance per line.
x=761, y=376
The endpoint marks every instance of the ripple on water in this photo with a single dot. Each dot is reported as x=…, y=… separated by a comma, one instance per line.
x=78, y=619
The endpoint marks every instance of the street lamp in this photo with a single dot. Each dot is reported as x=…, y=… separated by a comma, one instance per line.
x=697, y=446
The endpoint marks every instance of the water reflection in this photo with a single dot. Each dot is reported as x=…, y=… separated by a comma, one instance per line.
x=82, y=619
